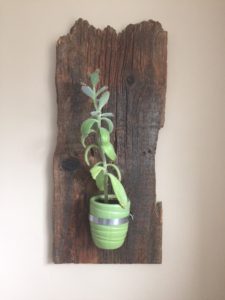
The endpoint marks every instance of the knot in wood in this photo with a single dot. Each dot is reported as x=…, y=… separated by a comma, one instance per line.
x=130, y=79
x=71, y=164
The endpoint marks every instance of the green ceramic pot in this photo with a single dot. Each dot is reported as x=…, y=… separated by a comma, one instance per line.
x=108, y=222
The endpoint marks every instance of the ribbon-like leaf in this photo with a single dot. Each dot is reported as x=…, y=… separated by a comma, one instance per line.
x=95, y=171
x=100, y=181
x=83, y=138
x=104, y=134
x=116, y=169
x=109, y=151
x=109, y=123
x=118, y=190
x=87, y=152
x=86, y=127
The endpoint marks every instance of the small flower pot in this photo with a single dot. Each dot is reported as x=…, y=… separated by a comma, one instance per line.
x=108, y=222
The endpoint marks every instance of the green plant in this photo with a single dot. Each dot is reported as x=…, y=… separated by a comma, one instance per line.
x=101, y=126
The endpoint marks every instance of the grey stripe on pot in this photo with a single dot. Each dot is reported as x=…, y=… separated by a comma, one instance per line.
x=108, y=222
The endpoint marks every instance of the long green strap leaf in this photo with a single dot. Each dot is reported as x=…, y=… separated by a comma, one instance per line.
x=109, y=123
x=104, y=134
x=84, y=137
x=86, y=126
x=116, y=169
x=95, y=171
x=109, y=151
x=118, y=190
x=87, y=152
x=100, y=181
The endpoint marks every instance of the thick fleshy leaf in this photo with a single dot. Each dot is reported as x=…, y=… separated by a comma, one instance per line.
x=107, y=115
x=101, y=90
x=105, y=137
x=87, y=152
x=95, y=171
x=88, y=91
x=95, y=113
x=118, y=190
x=109, y=123
x=86, y=126
x=100, y=181
x=83, y=138
x=103, y=100
x=83, y=141
x=94, y=77
x=109, y=151
x=116, y=169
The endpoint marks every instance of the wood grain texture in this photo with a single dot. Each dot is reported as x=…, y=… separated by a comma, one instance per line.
x=133, y=64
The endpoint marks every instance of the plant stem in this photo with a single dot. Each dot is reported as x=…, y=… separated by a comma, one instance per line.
x=105, y=178
x=103, y=160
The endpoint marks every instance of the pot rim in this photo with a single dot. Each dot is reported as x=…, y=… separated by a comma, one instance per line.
x=94, y=199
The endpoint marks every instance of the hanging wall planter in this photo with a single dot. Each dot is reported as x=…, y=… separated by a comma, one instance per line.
x=133, y=65
x=109, y=222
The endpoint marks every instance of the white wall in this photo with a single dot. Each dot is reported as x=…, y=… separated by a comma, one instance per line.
x=190, y=155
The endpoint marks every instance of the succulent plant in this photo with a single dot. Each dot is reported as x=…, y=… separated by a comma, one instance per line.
x=105, y=171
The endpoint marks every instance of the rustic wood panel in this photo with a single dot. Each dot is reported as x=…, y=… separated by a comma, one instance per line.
x=133, y=64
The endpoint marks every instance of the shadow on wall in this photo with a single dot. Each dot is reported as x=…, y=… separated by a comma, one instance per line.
x=52, y=143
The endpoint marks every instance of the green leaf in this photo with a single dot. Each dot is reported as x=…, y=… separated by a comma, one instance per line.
x=100, y=181
x=87, y=152
x=109, y=123
x=104, y=134
x=95, y=113
x=103, y=100
x=86, y=127
x=101, y=90
x=83, y=138
x=116, y=169
x=109, y=151
x=88, y=91
x=95, y=171
x=107, y=115
x=118, y=190
x=99, y=163
x=83, y=141
x=95, y=77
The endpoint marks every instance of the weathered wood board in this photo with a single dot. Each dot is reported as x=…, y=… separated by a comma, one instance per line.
x=133, y=63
